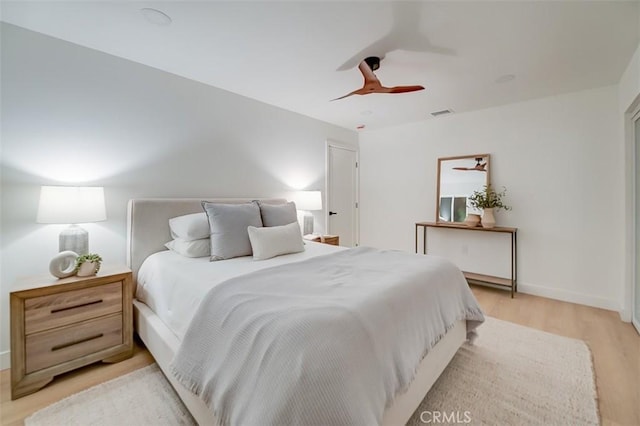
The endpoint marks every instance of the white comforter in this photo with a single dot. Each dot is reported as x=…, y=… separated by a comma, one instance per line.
x=173, y=286
x=330, y=340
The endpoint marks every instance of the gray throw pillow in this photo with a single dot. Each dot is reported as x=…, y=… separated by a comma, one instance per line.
x=229, y=223
x=278, y=214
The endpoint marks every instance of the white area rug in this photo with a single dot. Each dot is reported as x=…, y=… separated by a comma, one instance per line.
x=143, y=397
x=515, y=375
x=512, y=375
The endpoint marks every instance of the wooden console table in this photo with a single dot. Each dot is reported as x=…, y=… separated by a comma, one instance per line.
x=512, y=283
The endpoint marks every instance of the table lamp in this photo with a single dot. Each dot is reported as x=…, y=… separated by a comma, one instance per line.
x=308, y=201
x=72, y=205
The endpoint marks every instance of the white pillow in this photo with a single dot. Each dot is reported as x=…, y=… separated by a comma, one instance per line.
x=190, y=227
x=272, y=241
x=195, y=248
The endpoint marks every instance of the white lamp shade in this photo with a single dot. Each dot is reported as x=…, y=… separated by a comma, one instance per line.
x=71, y=204
x=308, y=200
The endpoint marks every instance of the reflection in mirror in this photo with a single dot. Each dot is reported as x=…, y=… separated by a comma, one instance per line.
x=458, y=177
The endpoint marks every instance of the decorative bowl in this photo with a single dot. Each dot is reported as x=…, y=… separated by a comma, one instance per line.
x=472, y=220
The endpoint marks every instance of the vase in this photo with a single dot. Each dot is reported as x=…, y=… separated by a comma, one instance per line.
x=88, y=269
x=488, y=220
x=472, y=220
x=63, y=265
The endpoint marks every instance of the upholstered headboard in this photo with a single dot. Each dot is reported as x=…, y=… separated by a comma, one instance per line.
x=148, y=223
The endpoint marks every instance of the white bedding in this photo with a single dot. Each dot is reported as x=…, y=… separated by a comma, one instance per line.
x=173, y=286
x=328, y=341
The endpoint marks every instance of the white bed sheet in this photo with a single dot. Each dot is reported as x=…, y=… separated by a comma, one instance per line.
x=173, y=285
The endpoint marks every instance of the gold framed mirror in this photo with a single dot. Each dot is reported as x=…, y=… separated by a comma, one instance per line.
x=458, y=177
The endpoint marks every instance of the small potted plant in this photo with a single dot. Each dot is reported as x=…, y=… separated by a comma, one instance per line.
x=487, y=200
x=88, y=264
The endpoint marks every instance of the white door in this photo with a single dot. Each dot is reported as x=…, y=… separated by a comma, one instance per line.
x=636, y=290
x=342, y=193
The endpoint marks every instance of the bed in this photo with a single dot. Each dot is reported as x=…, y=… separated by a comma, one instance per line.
x=148, y=231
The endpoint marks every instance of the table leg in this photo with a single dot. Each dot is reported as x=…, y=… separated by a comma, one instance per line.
x=515, y=258
x=424, y=240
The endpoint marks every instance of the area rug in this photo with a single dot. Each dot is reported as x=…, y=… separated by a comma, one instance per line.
x=511, y=375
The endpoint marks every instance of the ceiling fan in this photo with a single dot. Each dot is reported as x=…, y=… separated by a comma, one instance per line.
x=371, y=82
x=480, y=167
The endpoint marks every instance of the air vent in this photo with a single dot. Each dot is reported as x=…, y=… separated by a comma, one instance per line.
x=443, y=112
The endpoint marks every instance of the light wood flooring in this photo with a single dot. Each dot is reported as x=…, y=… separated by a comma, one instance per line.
x=615, y=347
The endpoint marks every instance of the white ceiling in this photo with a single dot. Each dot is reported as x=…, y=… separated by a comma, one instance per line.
x=289, y=54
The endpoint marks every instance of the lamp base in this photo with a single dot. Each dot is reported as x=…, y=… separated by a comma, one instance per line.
x=75, y=239
x=307, y=227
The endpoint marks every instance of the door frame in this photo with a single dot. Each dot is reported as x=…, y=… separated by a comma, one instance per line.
x=332, y=143
x=635, y=246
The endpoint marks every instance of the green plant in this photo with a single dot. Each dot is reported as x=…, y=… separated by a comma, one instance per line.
x=488, y=198
x=89, y=257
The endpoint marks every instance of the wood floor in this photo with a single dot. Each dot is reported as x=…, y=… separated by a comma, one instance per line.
x=615, y=347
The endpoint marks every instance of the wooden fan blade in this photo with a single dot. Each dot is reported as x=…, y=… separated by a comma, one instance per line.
x=371, y=82
x=369, y=77
x=405, y=89
x=467, y=169
x=373, y=85
x=361, y=91
x=342, y=97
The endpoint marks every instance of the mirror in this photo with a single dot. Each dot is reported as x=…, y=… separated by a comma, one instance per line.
x=458, y=177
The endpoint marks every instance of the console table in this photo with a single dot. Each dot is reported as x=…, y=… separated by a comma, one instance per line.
x=512, y=282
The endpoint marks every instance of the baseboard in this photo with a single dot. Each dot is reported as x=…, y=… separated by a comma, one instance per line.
x=5, y=360
x=625, y=315
x=570, y=296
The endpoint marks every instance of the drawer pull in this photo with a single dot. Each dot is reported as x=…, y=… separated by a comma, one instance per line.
x=77, y=342
x=93, y=302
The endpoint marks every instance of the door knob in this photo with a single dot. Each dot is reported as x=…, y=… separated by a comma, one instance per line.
x=332, y=213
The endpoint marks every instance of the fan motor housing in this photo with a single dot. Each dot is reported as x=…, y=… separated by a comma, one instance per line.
x=373, y=62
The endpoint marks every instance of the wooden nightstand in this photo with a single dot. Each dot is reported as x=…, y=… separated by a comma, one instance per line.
x=334, y=240
x=58, y=325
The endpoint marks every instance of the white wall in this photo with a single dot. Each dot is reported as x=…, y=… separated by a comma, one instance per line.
x=71, y=114
x=562, y=161
x=629, y=86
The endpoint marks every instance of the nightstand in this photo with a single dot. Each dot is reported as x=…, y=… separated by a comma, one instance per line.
x=334, y=240
x=58, y=325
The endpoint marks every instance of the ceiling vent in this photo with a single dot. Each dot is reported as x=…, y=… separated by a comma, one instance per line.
x=443, y=112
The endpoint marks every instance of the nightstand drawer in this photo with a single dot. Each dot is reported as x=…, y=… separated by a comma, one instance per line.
x=68, y=307
x=53, y=347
